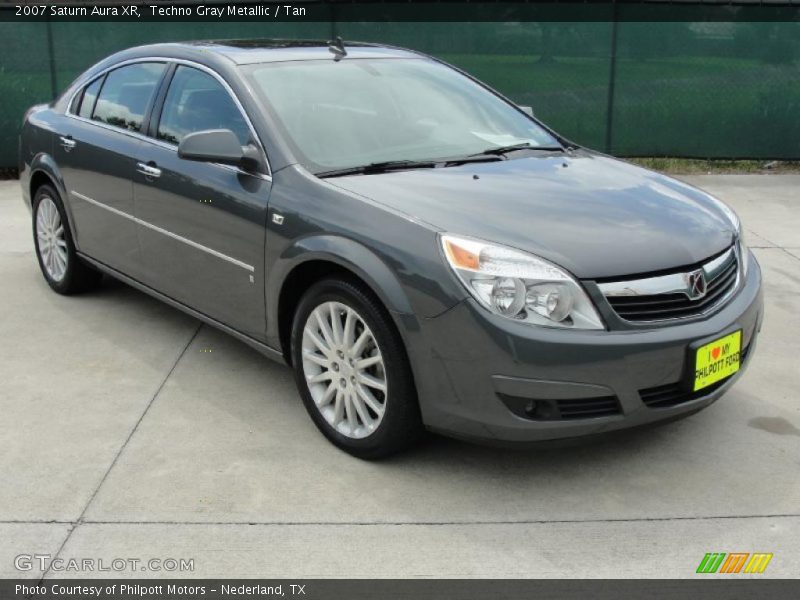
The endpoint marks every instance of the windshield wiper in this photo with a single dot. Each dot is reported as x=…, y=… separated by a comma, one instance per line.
x=379, y=167
x=500, y=150
x=489, y=154
x=472, y=158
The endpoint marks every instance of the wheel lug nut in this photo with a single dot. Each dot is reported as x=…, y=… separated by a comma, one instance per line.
x=342, y=382
x=335, y=366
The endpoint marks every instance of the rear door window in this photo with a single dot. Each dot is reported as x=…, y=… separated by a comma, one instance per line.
x=126, y=94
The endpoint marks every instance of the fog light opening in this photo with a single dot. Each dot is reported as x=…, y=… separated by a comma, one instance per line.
x=540, y=409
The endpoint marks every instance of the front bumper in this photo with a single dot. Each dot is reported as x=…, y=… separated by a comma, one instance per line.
x=478, y=373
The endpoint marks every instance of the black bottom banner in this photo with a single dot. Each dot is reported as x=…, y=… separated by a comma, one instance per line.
x=417, y=589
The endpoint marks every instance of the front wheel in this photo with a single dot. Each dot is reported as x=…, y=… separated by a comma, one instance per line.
x=352, y=370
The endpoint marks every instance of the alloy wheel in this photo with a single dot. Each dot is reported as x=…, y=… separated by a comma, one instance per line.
x=344, y=369
x=51, y=239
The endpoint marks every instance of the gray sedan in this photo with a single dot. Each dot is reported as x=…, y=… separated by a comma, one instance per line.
x=424, y=253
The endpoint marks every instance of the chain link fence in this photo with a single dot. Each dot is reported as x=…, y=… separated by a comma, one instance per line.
x=684, y=89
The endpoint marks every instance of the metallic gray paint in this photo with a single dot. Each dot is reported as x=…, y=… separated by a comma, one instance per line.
x=100, y=166
x=614, y=219
x=217, y=207
x=591, y=214
x=469, y=346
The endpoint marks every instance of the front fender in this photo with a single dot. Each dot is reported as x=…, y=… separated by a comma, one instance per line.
x=347, y=253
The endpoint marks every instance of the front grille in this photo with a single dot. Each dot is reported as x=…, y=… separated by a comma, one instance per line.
x=587, y=408
x=676, y=305
x=673, y=394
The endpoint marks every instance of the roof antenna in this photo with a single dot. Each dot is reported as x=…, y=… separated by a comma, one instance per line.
x=337, y=47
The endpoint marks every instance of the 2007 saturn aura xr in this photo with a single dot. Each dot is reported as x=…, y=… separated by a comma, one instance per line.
x=424, y=253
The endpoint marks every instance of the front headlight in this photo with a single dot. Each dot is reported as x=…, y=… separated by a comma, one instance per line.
x=520, y=286
x=744, y=253
x=736, y=223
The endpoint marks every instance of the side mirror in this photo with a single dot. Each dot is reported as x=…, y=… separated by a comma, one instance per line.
x=219, y=146
x=528, y=110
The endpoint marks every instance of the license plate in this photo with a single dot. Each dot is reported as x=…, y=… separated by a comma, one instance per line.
x=717, y=360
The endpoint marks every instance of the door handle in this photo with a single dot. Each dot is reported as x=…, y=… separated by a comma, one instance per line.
x=67, y=142
x=148, y=170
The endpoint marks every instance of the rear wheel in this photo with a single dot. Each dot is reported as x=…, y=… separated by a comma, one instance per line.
x=352, y=371
x=63, y=270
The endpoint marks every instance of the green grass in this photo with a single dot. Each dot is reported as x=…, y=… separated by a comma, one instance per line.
x=687, y=166
x=670, y=166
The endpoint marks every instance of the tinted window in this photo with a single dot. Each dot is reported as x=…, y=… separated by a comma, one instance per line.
x=126, y=94
x=196, y=101
x=89, y=96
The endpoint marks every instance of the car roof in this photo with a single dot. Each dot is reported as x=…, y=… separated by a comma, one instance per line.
x=252, y=51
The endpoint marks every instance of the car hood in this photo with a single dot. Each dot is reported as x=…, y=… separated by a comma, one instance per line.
x=593, y=215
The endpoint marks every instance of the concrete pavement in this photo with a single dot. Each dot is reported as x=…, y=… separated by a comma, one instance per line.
x=130, y=430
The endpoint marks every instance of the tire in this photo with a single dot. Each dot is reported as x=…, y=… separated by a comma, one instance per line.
x=61, y=266
x=347, y=411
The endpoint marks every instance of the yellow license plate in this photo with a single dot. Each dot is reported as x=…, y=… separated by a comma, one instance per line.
x=717, y=360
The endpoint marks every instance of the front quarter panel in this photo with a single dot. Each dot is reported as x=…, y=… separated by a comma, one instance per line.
x=397, y=256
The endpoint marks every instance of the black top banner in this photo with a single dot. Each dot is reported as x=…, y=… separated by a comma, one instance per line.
x=413, y=11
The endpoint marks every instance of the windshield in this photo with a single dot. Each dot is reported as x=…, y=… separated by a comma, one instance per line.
x=360, y=111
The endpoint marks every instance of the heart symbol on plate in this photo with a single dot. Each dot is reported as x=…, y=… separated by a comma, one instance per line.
x=715, y=352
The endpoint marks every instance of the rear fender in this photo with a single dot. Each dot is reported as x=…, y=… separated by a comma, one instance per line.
x=44, y=164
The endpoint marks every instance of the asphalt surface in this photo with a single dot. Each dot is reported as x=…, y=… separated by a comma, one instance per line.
x=128, y=429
